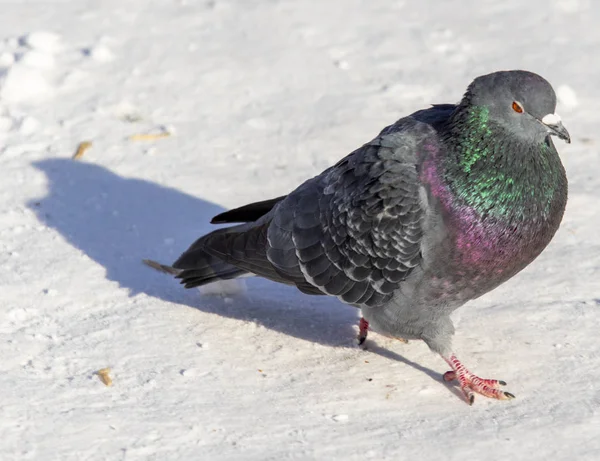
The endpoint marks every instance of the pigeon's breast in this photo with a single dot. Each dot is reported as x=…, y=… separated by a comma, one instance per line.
x=491, y=246
x=474, y=253
x=479, y=255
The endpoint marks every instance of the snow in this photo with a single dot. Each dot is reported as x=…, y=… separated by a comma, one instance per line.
x=23, y=83
x=263, y=94
x=44, y=41
x=6, y=59
x=100, y=53
x=567, y=97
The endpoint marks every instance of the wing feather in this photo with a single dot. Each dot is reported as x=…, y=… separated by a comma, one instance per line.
x=354, y=231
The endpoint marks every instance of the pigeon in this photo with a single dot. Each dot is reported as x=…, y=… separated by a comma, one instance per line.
x=441, y=207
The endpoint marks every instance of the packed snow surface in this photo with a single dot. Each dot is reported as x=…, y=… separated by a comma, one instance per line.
x=192, y=107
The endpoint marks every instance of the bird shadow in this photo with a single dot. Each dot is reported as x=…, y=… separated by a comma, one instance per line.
x=391, y=355
x=118, y=221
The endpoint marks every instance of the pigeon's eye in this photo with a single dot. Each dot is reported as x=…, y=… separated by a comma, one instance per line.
x=518, y=108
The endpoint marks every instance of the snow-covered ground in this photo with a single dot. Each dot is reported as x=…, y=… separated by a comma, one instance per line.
x=258, y=95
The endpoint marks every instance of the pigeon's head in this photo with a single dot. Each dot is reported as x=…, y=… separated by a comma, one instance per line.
x=520, y=101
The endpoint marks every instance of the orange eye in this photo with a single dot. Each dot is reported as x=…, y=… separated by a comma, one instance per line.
x=518, y=108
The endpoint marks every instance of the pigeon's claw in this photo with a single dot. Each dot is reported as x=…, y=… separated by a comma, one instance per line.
x=471, y=384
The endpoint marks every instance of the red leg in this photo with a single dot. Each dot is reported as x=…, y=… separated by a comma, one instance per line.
x=471, y=384
x=363, y=330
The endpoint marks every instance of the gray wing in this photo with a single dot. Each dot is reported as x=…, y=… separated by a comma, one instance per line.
x=355, y=231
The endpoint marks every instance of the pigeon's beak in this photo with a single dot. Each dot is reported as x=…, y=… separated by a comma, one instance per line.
x=555, y=127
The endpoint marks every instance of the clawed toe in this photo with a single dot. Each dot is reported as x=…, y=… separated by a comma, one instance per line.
x=471, y=384
x=493, y=383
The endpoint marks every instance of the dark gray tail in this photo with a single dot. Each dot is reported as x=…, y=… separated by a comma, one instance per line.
x=243, y=244
x=161, y=267
x=196, y=267
x=211, y=271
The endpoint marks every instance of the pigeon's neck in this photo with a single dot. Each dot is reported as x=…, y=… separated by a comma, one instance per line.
x=499, y=175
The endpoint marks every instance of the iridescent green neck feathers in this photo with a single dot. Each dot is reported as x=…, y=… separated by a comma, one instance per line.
x=496, y=174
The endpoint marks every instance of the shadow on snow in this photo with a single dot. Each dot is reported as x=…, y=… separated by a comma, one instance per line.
x=119, y=221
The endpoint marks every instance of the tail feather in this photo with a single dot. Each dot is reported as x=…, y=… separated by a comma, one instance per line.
x=190, y=280
x=210, y=272
x=197, y=267
x=232, y=252
x=162, y=267
x=247, y=213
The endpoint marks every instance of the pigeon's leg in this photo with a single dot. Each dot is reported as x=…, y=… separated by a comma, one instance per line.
x=363, y=330
x=471, y=384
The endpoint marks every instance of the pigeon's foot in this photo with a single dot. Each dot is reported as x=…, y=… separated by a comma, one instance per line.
x=471, y=384
x=363, y=331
